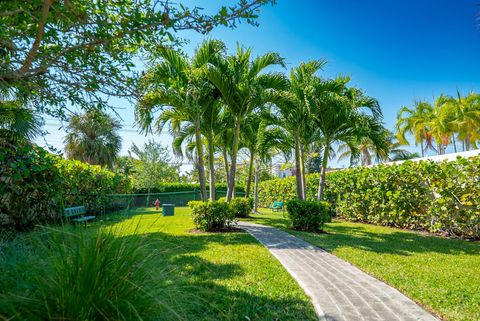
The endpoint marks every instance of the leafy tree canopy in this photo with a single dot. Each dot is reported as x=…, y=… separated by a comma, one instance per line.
x=153, y=166
x=80, y=52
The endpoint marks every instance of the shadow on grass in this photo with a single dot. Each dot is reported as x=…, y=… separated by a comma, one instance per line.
x=193, y=277
x=193, y=288
x=387, y=240
x=373, y=238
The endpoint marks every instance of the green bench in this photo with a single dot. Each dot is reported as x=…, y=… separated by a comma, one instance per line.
x=77, y=214
x=277, y=206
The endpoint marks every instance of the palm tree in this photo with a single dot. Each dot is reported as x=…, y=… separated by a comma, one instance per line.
x=466, y=117
x=18, y=124
x=178, y=87
x=339, y=117
x=294, y=116
x=243, y=87
x=441, y=125
x=416, y=121
x=367, y=151
x=93, y=137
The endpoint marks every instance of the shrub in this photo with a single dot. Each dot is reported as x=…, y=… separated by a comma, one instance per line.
x=183, y=187
x=241, y=207
x=211, y=216
x=36, y=186
x=308, y=215
x=30, y=188
x=436, y=197
x=76, y=276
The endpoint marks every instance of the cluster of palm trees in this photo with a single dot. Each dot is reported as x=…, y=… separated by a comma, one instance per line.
x=218, y=104
x=449, y=121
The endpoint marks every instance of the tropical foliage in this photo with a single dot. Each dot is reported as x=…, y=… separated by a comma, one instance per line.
x=18, y=124
x=92, y=137
x=36, y=186
x=449, y=121
x=437, y=197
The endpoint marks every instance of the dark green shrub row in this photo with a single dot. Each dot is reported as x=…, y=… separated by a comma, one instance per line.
x=36, y=186
x=212, y=216
x=308, y=215
x=183, y=187
x=436, y=197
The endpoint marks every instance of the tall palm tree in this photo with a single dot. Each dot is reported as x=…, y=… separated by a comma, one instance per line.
x=18, y=124
x=179, y=88
x=243, y=85
x=340, y=117
x=416, y=121
x=93, y=137
x=294, y=116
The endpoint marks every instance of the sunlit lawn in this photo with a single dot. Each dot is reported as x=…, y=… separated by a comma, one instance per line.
x=441, y=274
x=213, y=276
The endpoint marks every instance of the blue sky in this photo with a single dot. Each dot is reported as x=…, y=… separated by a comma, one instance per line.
x=397, y=51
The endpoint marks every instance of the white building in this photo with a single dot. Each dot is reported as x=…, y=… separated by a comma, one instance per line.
x=278, y=172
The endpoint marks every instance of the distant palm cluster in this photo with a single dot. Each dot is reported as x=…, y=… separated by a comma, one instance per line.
x=449, y=121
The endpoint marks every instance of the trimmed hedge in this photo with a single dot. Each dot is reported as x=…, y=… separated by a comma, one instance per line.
x=35, y=186
x=212, y=216
x=308, y=215
x=436, y=197
x=183, y=187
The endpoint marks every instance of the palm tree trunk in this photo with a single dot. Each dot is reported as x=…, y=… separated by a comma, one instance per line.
x=302, y=167
x=255, y=189
x=233, y=166
x=321, y=184
x=225, y=161
x=298, y=169
x=454, y=143
x=200, y=163
x=211, y=164
x=250, y=173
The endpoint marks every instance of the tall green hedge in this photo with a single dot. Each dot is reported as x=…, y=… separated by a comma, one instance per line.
x=436, y=197
x=35, y=186
x=183, y=187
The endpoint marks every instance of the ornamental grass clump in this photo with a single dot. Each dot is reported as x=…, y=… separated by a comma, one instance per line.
x=308, y=215
x=76, y=275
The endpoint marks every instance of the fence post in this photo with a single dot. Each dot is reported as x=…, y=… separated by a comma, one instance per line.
x=194, y=194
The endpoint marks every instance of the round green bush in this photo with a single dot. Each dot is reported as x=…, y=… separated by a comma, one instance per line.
x=308, y=215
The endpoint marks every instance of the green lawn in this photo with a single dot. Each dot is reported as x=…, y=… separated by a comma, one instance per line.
x=209, y=276
x=441, y=274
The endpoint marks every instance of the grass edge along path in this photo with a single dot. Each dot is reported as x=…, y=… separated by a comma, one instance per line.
x=442, y=275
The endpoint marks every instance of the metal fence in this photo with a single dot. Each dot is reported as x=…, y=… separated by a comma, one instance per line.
x=121, y=202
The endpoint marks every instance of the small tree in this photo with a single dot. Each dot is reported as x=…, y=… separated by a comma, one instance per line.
x=153, y=167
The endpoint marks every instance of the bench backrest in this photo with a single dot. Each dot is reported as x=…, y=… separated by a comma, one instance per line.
x=278, y=204
x=75, y=211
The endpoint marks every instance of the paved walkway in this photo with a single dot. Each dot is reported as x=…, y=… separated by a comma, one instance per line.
x=339, y=290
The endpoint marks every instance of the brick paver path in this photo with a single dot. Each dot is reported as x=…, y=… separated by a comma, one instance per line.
x=339, y=290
